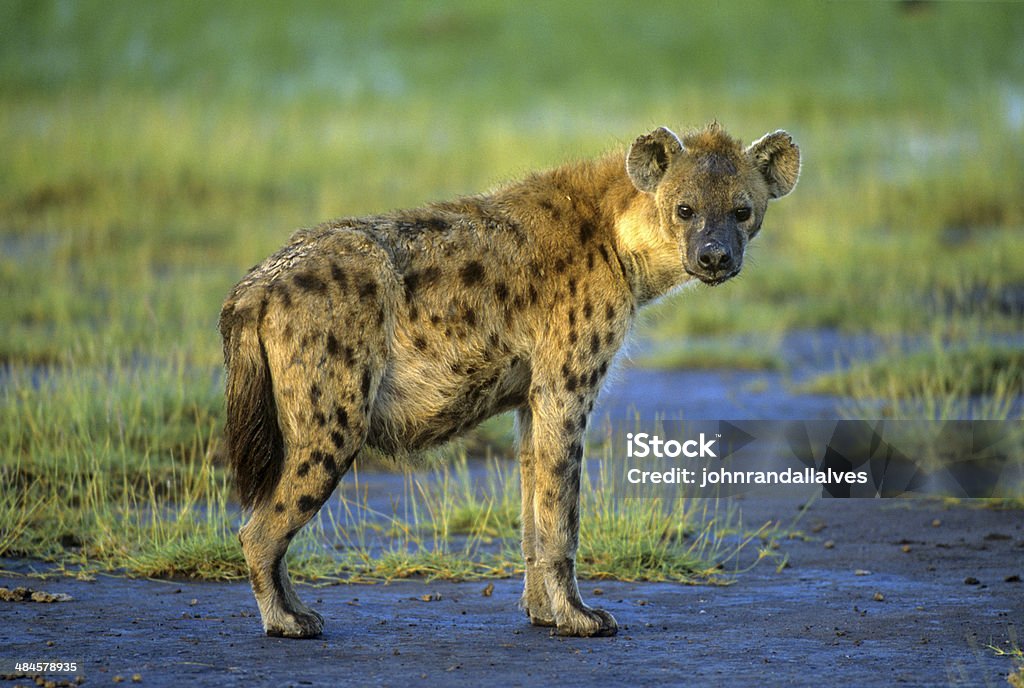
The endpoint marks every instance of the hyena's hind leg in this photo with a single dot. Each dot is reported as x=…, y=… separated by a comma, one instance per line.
x=269, y=531
x=324, y=386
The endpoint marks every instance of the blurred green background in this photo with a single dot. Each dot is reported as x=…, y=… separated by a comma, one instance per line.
x=154, y=151
x=151, y=152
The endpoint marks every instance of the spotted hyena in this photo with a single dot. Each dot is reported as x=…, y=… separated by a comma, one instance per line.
x=400, y=331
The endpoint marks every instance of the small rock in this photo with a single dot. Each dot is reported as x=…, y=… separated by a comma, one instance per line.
x=48, y=597
x=598, y=591
x=1014, y=578
x=829, y=544
x=862, y=572
x=136, y=678
x=488, y=590
x=971, y=580
x=878, y=597
x=16, y=595
x=936, y=523
x=23, y=594
x=905, y=548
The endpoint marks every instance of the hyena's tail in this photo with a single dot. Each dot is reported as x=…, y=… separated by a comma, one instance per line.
x=255, y=443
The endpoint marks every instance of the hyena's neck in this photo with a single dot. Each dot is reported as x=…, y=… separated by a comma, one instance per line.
x=651, y=259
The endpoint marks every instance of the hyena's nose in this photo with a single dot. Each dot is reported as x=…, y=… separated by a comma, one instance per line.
x=714, y=256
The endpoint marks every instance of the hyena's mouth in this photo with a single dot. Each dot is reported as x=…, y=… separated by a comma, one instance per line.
x=715, y=279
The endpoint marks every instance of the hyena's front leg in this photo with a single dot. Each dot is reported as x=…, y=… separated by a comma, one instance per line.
x=558, y=431
x=535, y=601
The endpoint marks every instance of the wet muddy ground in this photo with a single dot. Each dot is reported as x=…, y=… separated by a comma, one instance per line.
x=880, y=593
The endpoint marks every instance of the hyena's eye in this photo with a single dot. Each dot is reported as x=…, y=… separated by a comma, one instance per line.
x=684, y=212
x=742, y=214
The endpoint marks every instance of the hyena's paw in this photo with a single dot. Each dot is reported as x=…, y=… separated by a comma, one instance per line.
x=297, y=624
x=540, y=617
x=587, y=623
x=537, y=607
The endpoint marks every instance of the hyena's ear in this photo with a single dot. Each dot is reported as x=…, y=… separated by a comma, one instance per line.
x=778, y=159
x=649, y=157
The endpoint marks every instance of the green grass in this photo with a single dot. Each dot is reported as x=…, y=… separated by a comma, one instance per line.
x=725, y=353
x=153, y=152
x=958, y=378
x=972, y=370
x=178, y=520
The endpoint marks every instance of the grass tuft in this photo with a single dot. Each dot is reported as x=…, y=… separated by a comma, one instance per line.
x=941, y=380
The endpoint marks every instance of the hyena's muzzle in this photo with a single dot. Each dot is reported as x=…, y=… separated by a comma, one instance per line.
x=714, y=253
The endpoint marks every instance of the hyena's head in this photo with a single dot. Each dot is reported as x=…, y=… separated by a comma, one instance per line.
x=712, y=193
